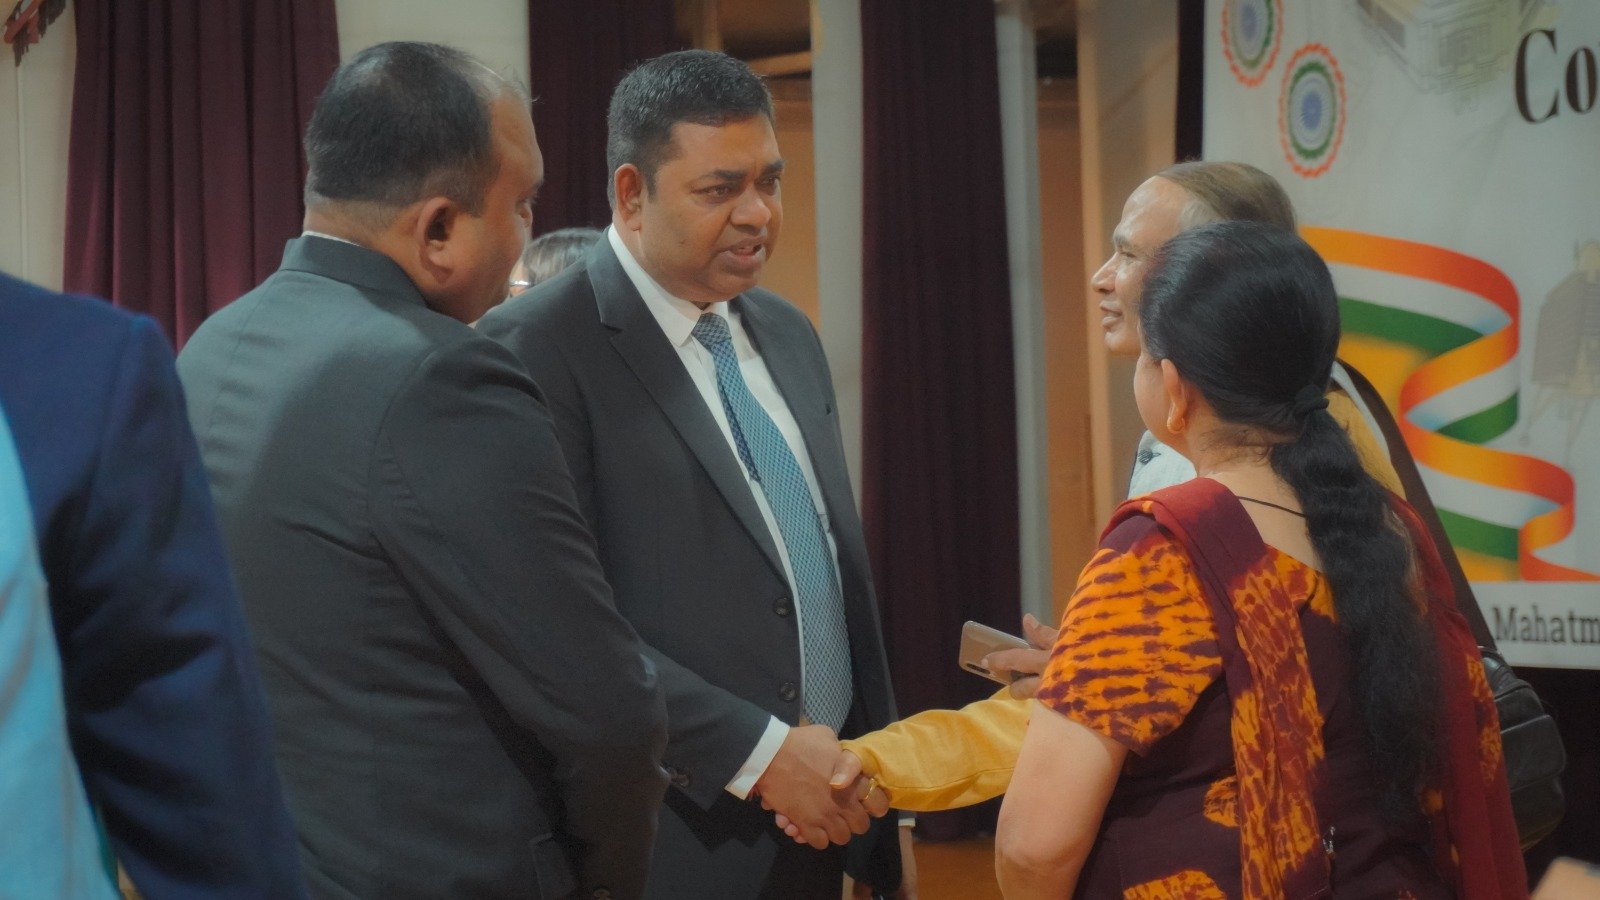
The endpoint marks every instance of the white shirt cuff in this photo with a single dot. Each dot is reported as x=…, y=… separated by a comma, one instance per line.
x=744, y=780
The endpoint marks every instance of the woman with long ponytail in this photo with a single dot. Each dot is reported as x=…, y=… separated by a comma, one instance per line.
x=1367, y=557
x=1261, y=688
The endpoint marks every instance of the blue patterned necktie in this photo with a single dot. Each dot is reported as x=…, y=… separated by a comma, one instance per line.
x=770, y=462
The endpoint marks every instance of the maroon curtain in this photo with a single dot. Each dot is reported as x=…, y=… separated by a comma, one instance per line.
x=1571, y=695
x=939, y=421
x=185, y=167
x=577, y=52
x=1189, y=134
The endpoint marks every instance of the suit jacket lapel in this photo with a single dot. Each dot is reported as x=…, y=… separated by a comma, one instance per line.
x=638, y=339
x=794, y=370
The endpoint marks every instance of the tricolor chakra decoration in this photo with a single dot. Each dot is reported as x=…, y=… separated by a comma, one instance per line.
x=1311, y=111
x=1251, y=32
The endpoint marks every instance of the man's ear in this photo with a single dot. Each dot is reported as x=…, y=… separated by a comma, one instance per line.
x=436, y=223
x=628, y=181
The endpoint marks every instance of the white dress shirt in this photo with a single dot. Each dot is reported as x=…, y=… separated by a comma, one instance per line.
x=329, y=237
x=677, y=319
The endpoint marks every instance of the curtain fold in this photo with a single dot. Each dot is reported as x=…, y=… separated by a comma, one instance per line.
x=185, y=164
x=1188, y=134
x=577, y=52
x=939, y=426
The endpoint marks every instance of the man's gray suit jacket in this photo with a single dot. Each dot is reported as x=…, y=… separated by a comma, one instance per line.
x=460, y=710
x=689, y=556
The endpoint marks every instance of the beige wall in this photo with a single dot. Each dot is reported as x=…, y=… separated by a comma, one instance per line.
x=1127, y=79
x=837, y=141
x=35, y=120
x=1073, y=521
x=792, y=271
x=495, y=31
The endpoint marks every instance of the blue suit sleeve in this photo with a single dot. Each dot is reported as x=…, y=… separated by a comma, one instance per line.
x=167, y=714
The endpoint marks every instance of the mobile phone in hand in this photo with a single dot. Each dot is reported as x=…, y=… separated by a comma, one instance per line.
x=979, y=640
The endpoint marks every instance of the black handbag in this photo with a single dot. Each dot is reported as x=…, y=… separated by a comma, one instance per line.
x=1534, y=755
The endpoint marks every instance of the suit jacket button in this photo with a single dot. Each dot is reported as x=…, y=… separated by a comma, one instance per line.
x=788, y=692
x=601, y=894
x=782, y=607
x=679, y=778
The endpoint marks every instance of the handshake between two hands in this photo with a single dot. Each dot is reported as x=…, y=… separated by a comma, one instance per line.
x=816, y=788
x=817, y=791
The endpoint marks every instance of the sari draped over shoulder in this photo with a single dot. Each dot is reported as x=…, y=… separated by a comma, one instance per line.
x=1191, y=643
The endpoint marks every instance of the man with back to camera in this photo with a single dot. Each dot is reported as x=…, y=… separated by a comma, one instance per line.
x=698, y=417
x=461, y=711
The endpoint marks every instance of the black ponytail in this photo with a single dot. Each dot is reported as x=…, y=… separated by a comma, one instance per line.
x=1367, y=559
x=1248, y=314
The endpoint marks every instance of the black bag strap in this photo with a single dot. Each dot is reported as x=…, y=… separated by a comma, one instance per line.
x=1417, y=496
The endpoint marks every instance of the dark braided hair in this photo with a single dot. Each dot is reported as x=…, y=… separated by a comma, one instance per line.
x=1247, y=312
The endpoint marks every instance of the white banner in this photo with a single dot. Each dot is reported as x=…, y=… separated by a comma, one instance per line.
x=1444, y=157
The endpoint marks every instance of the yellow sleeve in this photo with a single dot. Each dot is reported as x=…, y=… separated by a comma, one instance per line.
x=946, y=758
x=1374, y=458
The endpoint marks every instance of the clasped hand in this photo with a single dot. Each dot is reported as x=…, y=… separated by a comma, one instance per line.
x=817, y=789
x=811, y=789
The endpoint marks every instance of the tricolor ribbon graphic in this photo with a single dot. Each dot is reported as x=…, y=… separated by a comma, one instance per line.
x=1459, y=451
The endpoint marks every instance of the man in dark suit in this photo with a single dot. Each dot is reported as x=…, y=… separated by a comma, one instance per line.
x=698, y=417
x=461, y=711
x=111, y=556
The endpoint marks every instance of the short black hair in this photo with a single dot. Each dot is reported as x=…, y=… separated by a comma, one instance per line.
x=703, y=87
x=402, y=121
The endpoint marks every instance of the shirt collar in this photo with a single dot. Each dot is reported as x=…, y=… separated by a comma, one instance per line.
x=676, y=316
x=309, y=233
x=350, y=263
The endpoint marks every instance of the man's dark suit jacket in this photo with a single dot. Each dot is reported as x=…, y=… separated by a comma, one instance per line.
x=691, y=560
x=164, y=704
x=461, y=712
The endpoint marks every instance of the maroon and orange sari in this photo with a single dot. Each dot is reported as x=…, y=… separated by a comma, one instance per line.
x=1217, y=660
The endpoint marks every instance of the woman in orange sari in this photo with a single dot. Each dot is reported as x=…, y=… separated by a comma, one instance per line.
x=1261, y=688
